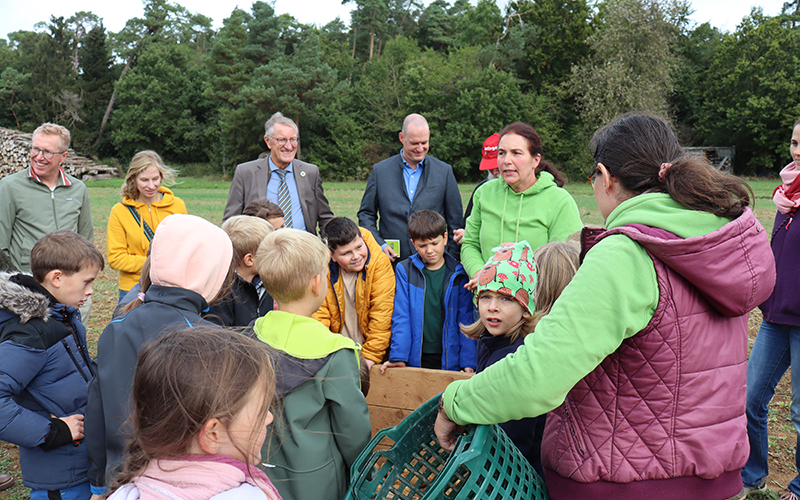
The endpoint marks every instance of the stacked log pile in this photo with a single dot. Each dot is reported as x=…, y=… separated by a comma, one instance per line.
x=15, y=154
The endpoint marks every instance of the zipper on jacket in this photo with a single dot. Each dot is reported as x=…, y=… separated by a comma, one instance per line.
x=424, y=289
x=449, y=281
x=572, y=428
x=448, y=313
x=336, y=300
x=75, y=361
x=81, y=347
x=53, y=203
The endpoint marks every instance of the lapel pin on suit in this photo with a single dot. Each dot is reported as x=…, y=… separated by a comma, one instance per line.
x=302, y=173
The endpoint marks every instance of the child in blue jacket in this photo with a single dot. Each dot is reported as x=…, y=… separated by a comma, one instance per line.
x=44, y=365
x=430, y=303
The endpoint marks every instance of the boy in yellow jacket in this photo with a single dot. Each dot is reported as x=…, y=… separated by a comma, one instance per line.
x=360, y=298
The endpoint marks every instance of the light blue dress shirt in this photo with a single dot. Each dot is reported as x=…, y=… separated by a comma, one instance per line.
x=411, y=176
x=298, y=221
x=410, y=179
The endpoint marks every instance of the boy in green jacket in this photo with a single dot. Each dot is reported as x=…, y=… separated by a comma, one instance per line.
x=321, y=417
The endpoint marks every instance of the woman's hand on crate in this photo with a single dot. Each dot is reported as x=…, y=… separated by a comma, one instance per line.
x=445, y=429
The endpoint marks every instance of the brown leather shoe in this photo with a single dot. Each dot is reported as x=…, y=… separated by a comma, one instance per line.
x=6, y=482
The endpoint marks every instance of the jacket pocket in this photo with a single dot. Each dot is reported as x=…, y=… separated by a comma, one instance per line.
x=575, y=432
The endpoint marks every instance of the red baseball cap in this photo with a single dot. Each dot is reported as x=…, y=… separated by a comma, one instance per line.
x=489, y=161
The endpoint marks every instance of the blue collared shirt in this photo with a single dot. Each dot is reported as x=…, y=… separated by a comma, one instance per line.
x=411, y=176
x=298, y=222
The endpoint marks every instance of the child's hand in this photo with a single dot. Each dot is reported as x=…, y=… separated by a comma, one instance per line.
x=472, y=284
x=75, y=424
x=390, y=364
x=468, y=370
x=368, y=362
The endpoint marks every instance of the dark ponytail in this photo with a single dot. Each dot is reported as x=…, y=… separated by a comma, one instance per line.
x=634, y=147
x=559, y=177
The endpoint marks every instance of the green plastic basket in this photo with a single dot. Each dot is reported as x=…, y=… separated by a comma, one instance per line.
x=484, y=465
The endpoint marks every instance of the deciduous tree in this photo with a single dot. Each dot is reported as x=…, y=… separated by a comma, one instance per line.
x=751, y=96
x=632, y=61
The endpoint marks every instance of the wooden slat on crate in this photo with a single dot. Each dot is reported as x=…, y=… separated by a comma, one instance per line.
x=398, y=392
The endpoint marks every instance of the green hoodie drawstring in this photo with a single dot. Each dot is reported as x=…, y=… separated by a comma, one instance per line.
x=503, y=216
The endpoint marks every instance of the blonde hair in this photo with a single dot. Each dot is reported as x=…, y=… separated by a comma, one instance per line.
x=524, y=326
x=287, y=260
x=246, y=233
x=54, y=129
x=557, y=262
x=140, y=162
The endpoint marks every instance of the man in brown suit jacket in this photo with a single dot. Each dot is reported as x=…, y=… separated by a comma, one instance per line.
x=254, y=180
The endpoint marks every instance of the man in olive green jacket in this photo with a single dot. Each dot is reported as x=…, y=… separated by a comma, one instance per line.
x=42, y=198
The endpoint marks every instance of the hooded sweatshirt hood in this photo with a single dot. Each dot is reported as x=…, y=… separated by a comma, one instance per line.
x=302, y=346
x=167, y=200
x=678, y=238
x=543, y=181
x=190, y=252
x=17, y=299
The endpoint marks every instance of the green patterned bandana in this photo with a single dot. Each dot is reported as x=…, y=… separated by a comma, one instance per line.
x=511, y=272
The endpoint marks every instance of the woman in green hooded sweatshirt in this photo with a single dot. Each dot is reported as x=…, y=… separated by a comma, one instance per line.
x=525, y=203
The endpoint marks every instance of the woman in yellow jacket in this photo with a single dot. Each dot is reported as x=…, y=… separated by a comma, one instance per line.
x=145, y=203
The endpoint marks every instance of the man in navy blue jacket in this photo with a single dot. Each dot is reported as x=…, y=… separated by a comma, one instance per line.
x=406, y=183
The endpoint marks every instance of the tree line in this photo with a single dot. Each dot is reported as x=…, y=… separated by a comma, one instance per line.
x=168, y=81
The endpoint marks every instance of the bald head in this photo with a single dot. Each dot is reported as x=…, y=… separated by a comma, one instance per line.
x=415, y=137
x=414, y=121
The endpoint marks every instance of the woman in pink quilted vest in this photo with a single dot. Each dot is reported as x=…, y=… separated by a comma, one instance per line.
x=642, y=360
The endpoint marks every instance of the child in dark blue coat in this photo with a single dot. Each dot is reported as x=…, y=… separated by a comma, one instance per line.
x=516, y=288
x=44, y=365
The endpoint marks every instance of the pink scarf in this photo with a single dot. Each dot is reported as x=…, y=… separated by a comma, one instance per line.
x=787, y=196
x=199, y=477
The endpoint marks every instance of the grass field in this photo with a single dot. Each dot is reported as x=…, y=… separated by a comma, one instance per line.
x=206, y=198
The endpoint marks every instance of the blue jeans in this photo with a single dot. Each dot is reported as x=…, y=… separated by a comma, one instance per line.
x=774, y=348
x=80, y=492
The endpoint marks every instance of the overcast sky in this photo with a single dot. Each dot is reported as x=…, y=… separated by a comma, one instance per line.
x=24, y=14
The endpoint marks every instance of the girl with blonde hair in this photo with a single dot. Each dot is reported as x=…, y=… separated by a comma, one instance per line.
x=146, y=201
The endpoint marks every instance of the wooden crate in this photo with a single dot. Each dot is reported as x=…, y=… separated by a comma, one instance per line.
x=399, y=391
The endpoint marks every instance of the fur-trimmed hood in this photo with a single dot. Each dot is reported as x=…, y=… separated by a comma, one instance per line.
x=19, y=298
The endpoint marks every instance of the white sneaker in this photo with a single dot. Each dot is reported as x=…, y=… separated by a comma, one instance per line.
x=752, y=489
